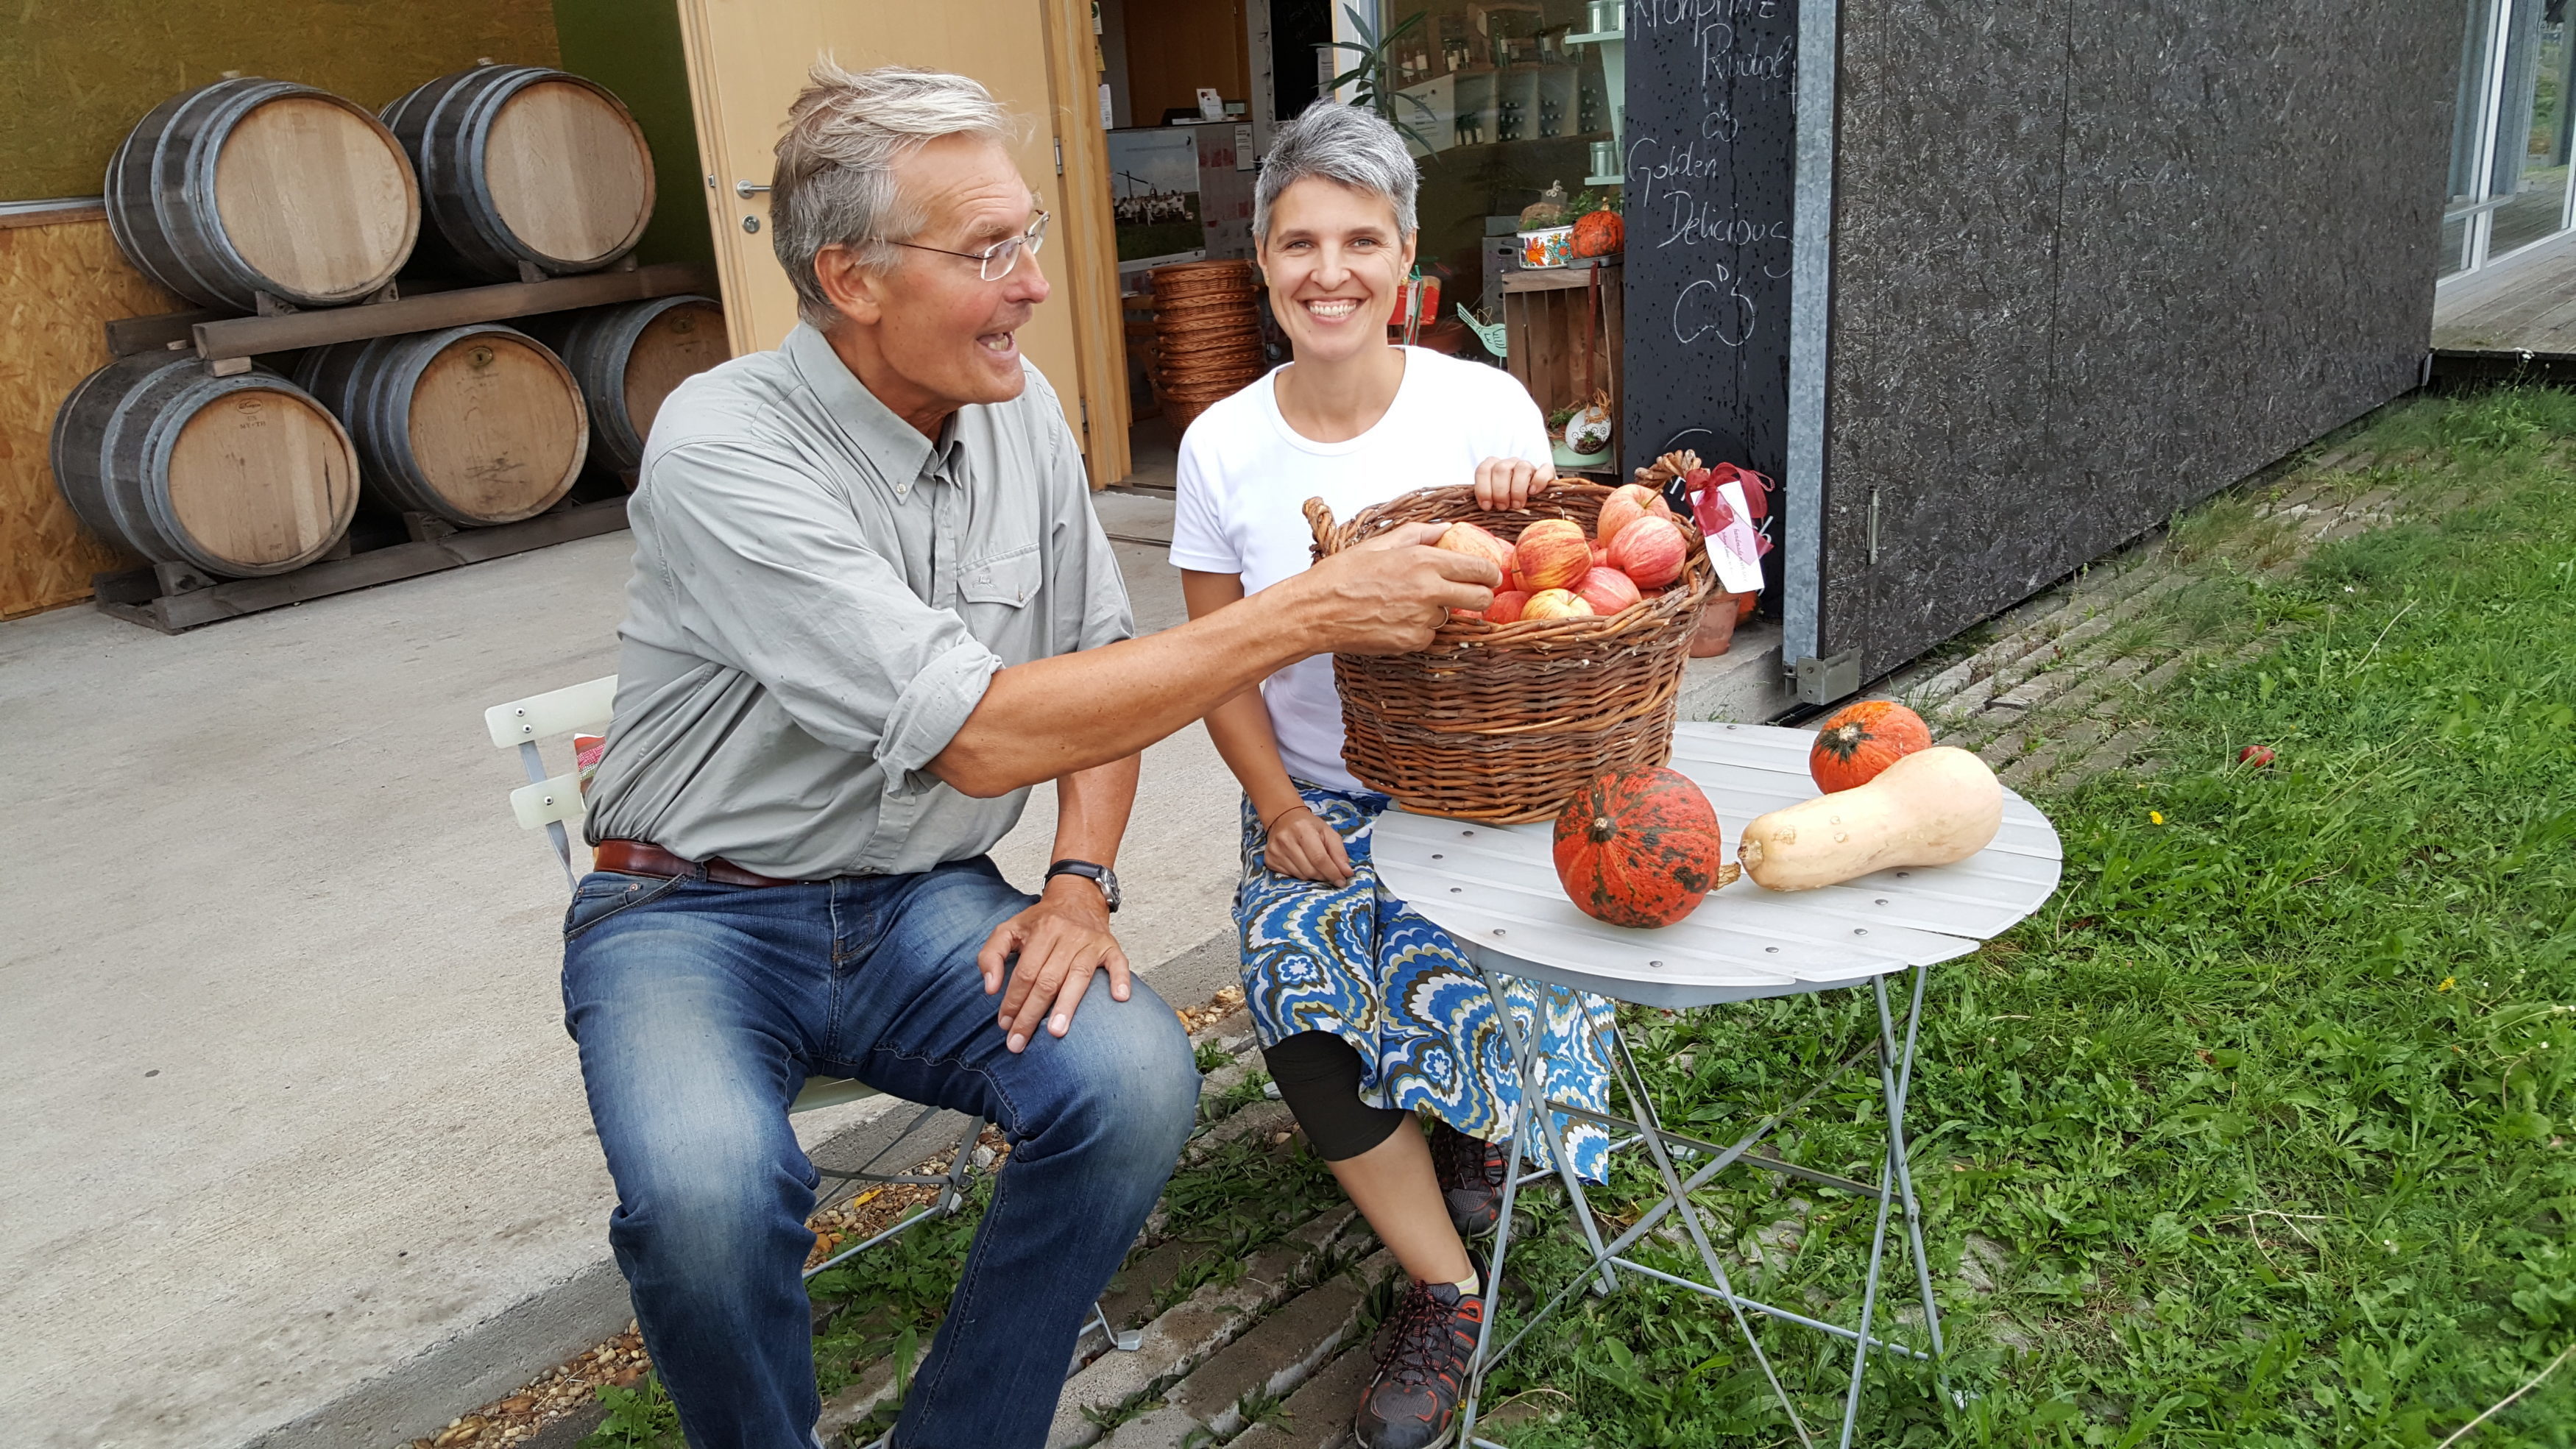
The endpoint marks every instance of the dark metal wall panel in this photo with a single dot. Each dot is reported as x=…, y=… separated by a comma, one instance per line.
x=1944, y=288
x=2095, y=259
x=1709, y=138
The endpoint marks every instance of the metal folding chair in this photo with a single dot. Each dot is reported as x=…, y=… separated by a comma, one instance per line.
x=554, y=803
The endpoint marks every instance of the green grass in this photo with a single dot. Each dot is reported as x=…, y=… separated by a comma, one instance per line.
x=2272, y=1111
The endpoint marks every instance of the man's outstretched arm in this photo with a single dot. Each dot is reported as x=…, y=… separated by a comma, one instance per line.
x=1052, y=717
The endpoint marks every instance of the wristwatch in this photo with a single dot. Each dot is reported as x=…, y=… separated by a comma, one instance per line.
x=1099, y=875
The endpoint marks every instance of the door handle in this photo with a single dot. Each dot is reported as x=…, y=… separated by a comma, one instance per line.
x=746, y=190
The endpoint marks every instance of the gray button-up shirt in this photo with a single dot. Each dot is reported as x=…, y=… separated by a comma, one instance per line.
x=820, y=596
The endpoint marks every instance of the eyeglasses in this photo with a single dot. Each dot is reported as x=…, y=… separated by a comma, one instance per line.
x=994, y=262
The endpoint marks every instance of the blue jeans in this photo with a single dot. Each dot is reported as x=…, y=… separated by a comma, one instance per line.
x=700, y=1010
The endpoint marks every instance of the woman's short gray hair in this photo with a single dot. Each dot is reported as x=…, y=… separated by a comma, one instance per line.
x=1355, y=147
x=834, y=183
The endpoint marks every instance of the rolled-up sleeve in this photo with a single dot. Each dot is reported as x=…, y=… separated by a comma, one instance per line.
x=929, y=713
x=783, y=588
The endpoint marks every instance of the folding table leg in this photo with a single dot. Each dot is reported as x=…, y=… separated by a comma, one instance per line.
x=1896, y=1180
x=1534, y=1090
x=1493, y=1286
x=1650, y=1129
x=1905, y=1181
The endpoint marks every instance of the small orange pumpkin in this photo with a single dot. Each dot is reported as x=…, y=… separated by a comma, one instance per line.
x=1599, y=233
x=1861, y=739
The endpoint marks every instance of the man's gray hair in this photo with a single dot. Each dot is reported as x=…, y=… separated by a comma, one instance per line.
x=1355, y=147
x=834, y=183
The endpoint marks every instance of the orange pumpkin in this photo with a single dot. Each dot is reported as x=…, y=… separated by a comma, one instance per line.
x=1860, y=739
x=1599, y=233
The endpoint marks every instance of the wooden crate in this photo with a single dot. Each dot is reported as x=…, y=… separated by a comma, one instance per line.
x=1548, y=312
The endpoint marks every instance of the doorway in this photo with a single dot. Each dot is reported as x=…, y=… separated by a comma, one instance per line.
x=1187, y=95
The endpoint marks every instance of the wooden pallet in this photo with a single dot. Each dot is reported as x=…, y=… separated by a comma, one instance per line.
x=173, y=599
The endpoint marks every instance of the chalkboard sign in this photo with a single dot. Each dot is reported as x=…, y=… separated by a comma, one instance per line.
x=1711, y=131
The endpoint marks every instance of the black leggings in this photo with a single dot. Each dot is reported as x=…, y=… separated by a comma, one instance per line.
x=1319, y=1078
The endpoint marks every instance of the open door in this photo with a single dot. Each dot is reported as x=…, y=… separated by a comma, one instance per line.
x=747, y=60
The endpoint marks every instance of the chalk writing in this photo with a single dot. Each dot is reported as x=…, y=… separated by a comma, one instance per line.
x=1710, y=128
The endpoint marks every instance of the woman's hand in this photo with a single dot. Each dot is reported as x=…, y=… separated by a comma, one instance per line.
x=1302, y=845
x=1504, y=484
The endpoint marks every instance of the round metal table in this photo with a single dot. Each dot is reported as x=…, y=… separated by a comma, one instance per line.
x=1494, y=889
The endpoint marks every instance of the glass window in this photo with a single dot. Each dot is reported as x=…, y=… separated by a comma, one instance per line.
x=2511, y=132
x=2531, y=130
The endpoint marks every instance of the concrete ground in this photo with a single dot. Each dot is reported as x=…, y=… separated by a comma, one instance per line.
x=300, y=1150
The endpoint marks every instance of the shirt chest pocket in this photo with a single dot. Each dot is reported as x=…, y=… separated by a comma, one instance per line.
x=1009, y=578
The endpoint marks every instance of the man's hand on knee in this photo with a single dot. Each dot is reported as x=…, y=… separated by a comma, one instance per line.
x=1061, y=941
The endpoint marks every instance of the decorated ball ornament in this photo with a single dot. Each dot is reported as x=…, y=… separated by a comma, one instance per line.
x=1861, y=739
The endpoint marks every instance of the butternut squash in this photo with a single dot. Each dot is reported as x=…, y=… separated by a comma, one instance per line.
x=1932, y=807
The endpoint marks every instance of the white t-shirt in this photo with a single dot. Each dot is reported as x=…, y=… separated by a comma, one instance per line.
x=1245, y=476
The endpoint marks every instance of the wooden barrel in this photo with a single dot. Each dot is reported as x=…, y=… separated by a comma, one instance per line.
x=235, y=476
x=249, y=186
x=476, y=425
x=629, y=357
x=521, y=164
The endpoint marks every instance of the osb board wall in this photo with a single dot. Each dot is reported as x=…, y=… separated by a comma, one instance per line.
x=75, y=75
x=58, y=284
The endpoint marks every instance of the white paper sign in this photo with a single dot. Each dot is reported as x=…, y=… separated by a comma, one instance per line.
x=1211, y=105
x=1733, y=549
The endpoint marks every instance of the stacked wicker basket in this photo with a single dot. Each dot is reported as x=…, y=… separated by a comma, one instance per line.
x=1207, y=335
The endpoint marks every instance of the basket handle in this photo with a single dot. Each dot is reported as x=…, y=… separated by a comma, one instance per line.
x=1330, y=538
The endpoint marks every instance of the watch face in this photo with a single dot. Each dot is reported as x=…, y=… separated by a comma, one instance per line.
x=1109, y=887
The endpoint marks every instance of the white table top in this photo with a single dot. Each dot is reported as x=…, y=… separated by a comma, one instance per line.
x=1494, y=888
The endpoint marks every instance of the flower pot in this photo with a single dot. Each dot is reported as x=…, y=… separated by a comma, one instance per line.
x=1716, y=627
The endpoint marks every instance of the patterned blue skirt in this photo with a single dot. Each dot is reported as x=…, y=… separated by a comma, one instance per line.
x=1359, y=963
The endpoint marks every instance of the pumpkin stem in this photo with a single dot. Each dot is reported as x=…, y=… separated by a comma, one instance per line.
x=1601, y=830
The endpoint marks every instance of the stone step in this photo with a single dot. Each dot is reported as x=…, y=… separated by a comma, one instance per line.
x=1271, y=1360
x=2040, y=673
x=1318, y=1415
x=1184, y=1336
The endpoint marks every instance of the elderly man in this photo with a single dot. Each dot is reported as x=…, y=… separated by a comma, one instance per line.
x=870, y=609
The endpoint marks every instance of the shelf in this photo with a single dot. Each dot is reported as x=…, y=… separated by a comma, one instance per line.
x=1596, y=37
x=1575, y=273
x=220, y=337
x=139, y=596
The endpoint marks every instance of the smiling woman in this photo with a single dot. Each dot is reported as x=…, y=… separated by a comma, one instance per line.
x=1359, y=1017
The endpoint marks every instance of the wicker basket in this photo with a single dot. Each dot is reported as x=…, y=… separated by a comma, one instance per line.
x=1507, y=722
x=1207, y=336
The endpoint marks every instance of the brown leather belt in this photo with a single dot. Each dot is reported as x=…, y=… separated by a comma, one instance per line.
x=636, y=857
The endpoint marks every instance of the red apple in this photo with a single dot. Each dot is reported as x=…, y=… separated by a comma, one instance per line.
x=1607, y=590
x=1556, y=604
x=1475, y=542
x=1551, y=554
x=1506, y=608
x=1626, y=504
x=1650, y=551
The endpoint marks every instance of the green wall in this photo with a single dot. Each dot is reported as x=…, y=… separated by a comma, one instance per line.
x=633, y=48
x=75, y=75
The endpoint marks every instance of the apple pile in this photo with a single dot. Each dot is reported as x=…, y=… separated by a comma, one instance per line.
x=1553, y=572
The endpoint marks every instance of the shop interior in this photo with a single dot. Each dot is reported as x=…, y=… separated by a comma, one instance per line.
x=1506, y=102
